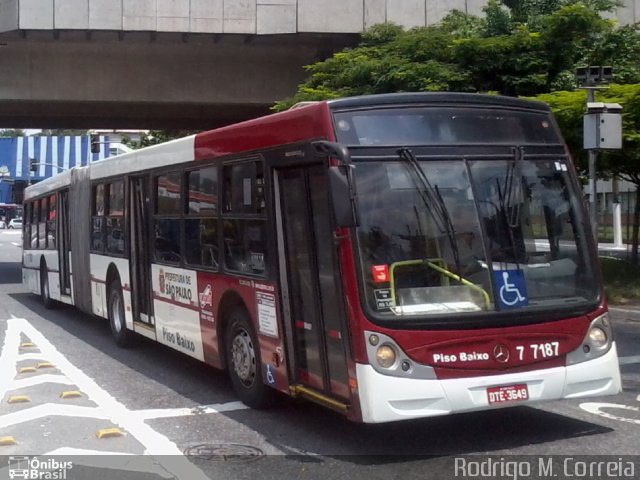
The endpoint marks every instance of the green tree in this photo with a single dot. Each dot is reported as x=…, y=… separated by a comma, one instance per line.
x=522, y=47
x=12, y=132
x=60, y=132
x=155, y=137
x=569, y=109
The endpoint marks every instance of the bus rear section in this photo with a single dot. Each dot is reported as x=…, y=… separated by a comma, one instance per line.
x=476, y=271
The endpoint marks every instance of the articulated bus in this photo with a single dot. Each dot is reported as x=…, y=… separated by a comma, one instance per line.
x=390, y=257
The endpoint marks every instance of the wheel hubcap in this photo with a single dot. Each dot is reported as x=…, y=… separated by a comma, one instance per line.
x=243, y=357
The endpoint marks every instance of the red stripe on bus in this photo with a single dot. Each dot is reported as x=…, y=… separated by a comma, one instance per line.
x=97, y=280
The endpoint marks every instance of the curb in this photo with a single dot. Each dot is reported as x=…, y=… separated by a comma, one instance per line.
x=633, y=311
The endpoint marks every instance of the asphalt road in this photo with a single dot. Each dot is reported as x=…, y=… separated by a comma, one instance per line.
x=150, y=399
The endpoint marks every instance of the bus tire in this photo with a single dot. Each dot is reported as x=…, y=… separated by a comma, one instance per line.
x=115, y=312
x=243, y=361
x=45, y=293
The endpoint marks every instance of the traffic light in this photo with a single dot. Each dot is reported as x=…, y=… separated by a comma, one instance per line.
x=95, y=144
x=33, y=165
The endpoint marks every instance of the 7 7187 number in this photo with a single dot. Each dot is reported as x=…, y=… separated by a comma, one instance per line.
x=539, y=350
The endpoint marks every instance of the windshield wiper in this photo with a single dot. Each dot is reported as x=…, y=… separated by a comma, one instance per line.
x=433, y=201
x=508, y=198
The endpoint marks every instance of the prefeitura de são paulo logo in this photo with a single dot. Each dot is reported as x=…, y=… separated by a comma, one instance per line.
x=34, y=468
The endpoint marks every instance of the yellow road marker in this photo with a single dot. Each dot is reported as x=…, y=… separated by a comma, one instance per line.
x=27, y=370
x=18, y=399
x=109, y=432
x=4, y=441
x=45, y=365
x=70, y=394
x=27, y=344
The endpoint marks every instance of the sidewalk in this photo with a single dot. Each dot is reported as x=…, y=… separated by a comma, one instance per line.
x=612, y=250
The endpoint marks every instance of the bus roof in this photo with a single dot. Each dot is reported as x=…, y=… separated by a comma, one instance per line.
x=47, y=185
x=452, y=98
x=306, y=122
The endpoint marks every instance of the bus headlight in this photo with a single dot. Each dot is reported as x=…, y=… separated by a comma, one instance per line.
x=598, y=337
x=386, y=356
x=597, y=341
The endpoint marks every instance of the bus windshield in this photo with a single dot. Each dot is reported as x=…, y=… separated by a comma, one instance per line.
x=471, y=236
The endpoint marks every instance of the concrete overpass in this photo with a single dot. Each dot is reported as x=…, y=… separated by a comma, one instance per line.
x=179, y=63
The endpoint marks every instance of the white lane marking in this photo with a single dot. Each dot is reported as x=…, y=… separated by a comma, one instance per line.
x=30, y=356
x=52, y=410
x=184, y=412
x=16, y=244
x=629, y=360
x=62, y=410
x=38, y=379
x=155, y=444
x=596, y=409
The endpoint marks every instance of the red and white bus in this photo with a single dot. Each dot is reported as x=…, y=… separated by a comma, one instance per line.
x=389, y=257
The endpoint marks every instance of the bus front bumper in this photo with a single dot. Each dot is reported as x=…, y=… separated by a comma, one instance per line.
x=385, y=398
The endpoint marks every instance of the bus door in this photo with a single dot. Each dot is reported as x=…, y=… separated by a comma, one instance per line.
x=139, y=259
x=64, y=244
x=310, y=279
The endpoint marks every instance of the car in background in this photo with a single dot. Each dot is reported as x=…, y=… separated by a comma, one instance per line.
x=15, y=223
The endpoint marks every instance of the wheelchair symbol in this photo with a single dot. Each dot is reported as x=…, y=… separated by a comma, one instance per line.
x=270, y=378
x=509, y=292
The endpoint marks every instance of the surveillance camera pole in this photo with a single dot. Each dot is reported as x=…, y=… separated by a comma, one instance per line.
x=587, y=79
x=602, y=128
x=593, y=189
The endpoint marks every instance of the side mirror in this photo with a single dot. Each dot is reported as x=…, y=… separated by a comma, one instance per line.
x=342, y=191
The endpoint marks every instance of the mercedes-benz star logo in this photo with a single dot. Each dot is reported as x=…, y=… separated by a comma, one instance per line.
x=501, y=353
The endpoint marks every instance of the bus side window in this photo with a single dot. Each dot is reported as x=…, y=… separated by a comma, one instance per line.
x=201, y=223
x=244, y=223
x=97, y=218
x=167, y=219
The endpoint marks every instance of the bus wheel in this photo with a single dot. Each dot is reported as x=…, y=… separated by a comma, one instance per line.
x=243, y=361
x=115, y=311
x=44, y=287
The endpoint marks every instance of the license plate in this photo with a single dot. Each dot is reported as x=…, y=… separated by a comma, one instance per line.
x=507, y=393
